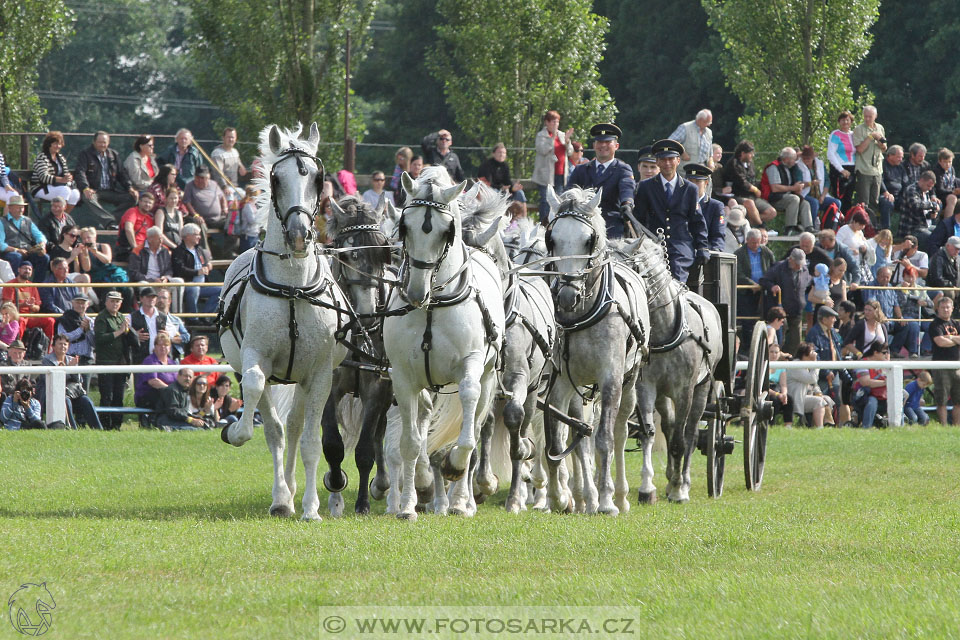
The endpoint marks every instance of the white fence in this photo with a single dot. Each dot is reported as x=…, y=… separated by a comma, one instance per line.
x=57, y=377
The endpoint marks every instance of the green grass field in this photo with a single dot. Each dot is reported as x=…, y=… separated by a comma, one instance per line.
x=166, y=535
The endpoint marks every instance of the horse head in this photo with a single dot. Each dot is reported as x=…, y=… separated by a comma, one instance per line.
x=294, y=186
x=429, y=226
x=482, y=214
x=577, y=235
x=362, y=250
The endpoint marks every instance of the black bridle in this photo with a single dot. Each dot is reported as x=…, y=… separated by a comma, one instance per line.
x=586, y=278
x=298, y=155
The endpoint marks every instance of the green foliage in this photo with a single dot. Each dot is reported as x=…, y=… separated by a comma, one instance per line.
x=913, y=71
x=279, y=60
x=789, y=61
x=505, y=62
x=664, y=69
x=28, y=30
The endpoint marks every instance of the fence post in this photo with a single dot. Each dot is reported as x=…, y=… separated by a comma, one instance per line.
x=24, y=152
x=895, y=396
x=56, y=396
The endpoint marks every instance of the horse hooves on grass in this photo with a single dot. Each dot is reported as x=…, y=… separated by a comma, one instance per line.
x=328, y=483
x=406, y=515
x=362, y=509
x=223, y=434
x=647, y=497
x=479, y=498
x=375, y=491
x=281, y=511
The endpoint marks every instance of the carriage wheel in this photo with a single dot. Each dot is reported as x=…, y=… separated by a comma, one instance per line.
x=715, y=445
x=757, y=410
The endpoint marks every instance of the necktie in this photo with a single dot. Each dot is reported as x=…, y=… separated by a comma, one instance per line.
x=669, y=190
x=599, y=170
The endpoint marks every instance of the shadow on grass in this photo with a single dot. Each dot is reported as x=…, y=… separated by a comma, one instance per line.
x=245, y=508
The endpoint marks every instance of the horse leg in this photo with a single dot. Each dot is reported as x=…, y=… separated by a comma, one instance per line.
x=694, y=412
x=668, y=418
x=628, y=403
x=646, y=397
x=394, y=462
x=455, y=462
x=485, y=480
x=310, y=442
x=463, y=502
x=677, y=444
x=294, y=431
x=424, y=477
x=335, y=480
x=610, y=395
x=441, y=504
x=254, y=383
x=374, y=406
x=381, y=481
x=558, y=494
x=409, y=450
x=282, y=504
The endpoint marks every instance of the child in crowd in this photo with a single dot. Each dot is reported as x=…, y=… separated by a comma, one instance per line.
x=913, y=413
x=9, y=324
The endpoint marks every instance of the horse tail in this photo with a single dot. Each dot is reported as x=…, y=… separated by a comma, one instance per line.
x=445, y=423
x=350, y=417
x=283, y=399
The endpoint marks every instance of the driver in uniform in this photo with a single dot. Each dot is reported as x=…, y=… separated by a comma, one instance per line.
x=614, y=176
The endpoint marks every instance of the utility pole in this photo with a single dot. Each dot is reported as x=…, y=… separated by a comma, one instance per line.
x=349, y=147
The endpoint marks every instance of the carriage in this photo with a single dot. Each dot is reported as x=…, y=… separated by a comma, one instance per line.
x=751, y=408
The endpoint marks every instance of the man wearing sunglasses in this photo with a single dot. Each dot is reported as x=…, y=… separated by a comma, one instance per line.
x=437, y=150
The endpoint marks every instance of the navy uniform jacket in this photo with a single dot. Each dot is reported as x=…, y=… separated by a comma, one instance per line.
x=681, y=220
x=618, y=186
x=716, y=226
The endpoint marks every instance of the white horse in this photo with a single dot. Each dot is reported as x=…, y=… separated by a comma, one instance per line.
x=451, y=332
x=279, y=316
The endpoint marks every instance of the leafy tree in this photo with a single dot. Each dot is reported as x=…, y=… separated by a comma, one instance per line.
x=789, y=61
x=913, y=72
x=663, y=70
x=505, y=62
x=124, y=71
x=279, y=60
x=28, y=30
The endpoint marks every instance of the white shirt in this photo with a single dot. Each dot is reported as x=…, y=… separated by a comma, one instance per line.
x=674, y=183
x=372, y=198
x=151, y=326
x=153, y=264
x=605, y=165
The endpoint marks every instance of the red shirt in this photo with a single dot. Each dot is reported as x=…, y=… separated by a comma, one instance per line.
x=19, y=294
x=212, y=376
x=140, y=222
x=560, y=150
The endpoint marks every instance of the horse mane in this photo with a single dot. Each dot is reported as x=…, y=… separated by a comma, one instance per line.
x=359, y=211
x=432, y=176
x=481, y=205
x=577, y=199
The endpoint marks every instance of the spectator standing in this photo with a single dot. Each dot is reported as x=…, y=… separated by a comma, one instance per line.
x=842, y=155
x=101, y=177
x=204, y=197
x=50, y=174
x=198, y=347
x=53, y=224
x=140, y=165
x=789, y=280
x=870, y=142
x=696, y=136
x=826, y=340
x=133, y=226
x=146, y=323
x=437, y=150
x=173, y=405
x=77, y=327
x=871, y=398
x=947, y=188
x=740, y=174
x=495, y=173
x=915, y=303
x=372, y=195
x=191, y=264
x=21, y=410
x=58, y=299
x=148, y=386
x=615, y=177
x=895, y=181
x=179, y=336
x=913, y=412
x=226, y=158
x=113, y=341
x=785, y=192
x=21, y=240
x=753, y=260
x=945, y=268
x=183, y=157
x=403, y=157
x=671, y=203
x=27, y=299
x=550, y=167
x=945, y=334
x=78, y=402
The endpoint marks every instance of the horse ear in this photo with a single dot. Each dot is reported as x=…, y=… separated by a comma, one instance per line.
x=273, y=139
x=390, y=211
x=452, y=193
x=314, y=138
x=408, y=184
x=337, y=209
x=381, y=206
x=593, y=204
x=552, y=199
x=631, y=247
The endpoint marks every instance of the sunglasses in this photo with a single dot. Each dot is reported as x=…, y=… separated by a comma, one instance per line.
x=445, y=138
x=379, y=179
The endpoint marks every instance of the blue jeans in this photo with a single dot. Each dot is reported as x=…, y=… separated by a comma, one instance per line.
x=915, y=417
x=192, y=294
x=40, y=262
x=905, y=334
x=544, y=209
x=814, y=209
x=869, y=411
x=88, y=413
x=886, y=208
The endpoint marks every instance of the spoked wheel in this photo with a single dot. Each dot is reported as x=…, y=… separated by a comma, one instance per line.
x=714, y=443
x=756, y=410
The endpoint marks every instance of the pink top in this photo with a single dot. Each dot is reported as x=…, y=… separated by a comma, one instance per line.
x=9, y=332
x=347, y=181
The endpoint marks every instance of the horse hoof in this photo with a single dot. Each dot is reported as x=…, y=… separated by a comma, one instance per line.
x=460, y=511
x=376, y=492
x=335, y=505
x=647, y=497
x=426, y=494
x=479, y=498
x=362, y=509
x=328, y=483
x=311, y=518
x=608, y=511
x=281, y=511
x=223, y=434
x=488, y=486
x=448, y=471
x=407, y=515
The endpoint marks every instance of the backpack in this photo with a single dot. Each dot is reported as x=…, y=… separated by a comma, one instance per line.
x=37, y=343
x=765, y=181
x=831, y=218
